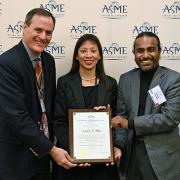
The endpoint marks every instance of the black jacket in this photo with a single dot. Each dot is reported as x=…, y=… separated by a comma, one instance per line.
x=21, y=141
x=69, y=95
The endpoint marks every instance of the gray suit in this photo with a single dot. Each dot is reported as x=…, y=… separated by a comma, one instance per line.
x=159, y=125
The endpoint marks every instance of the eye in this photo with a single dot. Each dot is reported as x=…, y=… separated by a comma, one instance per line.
x=94, y=50
x=38, y=30
x=49, y=33
x=139, y=50
x=82, y=51
x=152, y=49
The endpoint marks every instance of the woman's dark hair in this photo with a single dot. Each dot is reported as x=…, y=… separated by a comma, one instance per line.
x=149, y=34
x=100, y=73
x=38, y=11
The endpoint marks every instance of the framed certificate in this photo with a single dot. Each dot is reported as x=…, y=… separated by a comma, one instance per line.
x=90, y=136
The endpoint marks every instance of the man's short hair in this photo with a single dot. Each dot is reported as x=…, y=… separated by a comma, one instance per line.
x=38, y=11
x=149, y=34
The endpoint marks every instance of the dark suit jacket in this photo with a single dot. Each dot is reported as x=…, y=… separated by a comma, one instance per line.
x=159, y=124
x=69, y=95
x=21, y=141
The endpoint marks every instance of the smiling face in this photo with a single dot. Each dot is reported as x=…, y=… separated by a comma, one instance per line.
x=146, y=52
x=38, y=34
x=88, y=55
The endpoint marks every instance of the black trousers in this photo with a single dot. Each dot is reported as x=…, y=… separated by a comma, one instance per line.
x=43, y=169
x=94, y=172
x=140, y=167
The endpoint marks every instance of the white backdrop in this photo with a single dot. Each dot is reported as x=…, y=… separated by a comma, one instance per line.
x=115, y=22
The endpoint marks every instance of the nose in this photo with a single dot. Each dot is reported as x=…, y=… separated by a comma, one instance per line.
x=42, y=35
x=88, y=54
x=146, y=54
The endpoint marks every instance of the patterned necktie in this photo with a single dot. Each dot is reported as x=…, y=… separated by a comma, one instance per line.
x=38, y=70
x=39, y=77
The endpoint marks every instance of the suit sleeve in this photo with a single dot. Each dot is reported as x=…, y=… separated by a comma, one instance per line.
x=121, y=134
x=165, y=117
x=113, y=99
x=60, y=122
x=14, y=113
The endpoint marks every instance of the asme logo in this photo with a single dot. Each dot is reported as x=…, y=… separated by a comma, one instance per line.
x=0, y=7
x=58, y=10
x=114, y=10
x=58, y=52
x=83, y=28
x=171, y=52
x=115, y=52
x=171, y=11
x=1, y=51
x=144, y=27
x=15, y=31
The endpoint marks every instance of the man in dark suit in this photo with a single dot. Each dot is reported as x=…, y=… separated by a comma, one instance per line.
x=24, y=147
x=148, y=107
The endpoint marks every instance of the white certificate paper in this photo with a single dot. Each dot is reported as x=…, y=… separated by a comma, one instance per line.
x=91, y=136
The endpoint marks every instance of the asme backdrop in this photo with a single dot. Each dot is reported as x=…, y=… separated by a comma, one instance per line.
x=115, y=22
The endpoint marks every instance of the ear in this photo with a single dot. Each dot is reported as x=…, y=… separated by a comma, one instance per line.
x=25, y=25
x=24, y=28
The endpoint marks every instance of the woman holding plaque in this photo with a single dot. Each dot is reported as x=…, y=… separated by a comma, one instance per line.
x=86, y=86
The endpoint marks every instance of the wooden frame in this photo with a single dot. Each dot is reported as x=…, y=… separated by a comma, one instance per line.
x=90, y=136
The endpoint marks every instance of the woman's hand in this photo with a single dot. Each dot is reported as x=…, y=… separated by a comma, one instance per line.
x=102, y=107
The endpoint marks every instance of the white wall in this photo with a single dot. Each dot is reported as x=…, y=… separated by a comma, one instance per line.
x=115, y=22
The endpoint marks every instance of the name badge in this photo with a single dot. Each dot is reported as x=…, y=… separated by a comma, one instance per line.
x=157, y=95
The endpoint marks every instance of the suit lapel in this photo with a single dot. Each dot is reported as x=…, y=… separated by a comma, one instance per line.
x=46, y=74
x=155, y=81
x=135, y=89
x=26, y=61
x=46, y=71
x=101, y=92
x=77, y=90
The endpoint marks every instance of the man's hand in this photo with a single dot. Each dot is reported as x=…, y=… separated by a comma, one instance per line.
x=119, y=121
x=117, y=154
x=62, y=158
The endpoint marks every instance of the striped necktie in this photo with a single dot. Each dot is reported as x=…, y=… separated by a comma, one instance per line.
x=40, y=87
x=38, y=70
